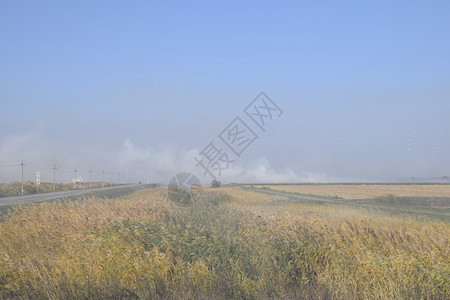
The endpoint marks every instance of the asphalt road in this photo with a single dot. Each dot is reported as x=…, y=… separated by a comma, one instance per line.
x=50, y=196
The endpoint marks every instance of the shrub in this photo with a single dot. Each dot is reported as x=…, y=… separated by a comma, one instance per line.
x=216, y=184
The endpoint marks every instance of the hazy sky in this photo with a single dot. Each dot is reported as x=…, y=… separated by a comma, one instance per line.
x=141, y=87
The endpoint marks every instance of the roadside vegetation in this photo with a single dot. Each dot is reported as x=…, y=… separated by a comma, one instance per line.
x=229, y=243
x=15, y=188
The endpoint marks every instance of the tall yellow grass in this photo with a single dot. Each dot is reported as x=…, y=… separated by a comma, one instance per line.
x=365, y=191
x=144, y=246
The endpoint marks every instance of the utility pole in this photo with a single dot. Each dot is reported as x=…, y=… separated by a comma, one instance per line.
x=90, y=178
x=21, y=164
x=119, y=177
x=111, y=179
x=54, y=178
x=38, y=180
x=75, y=179
x=103, y=177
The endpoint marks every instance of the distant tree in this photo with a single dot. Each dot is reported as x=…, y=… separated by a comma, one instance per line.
x=215, y=184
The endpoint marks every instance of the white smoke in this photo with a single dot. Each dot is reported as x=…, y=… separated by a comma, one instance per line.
x=162, y=162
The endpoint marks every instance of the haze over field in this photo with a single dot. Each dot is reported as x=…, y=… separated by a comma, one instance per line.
x=141, y=88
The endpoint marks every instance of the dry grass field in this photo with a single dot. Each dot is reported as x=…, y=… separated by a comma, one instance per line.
x=230, y=244
x=365, y=191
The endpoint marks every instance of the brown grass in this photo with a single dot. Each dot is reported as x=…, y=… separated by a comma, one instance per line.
x=365, y=191
x=143, y=246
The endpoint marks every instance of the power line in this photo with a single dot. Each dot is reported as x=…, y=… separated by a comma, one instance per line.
x=6, y=166
x=8, y=162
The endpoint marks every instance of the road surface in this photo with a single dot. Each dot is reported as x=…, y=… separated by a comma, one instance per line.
x=55, y=195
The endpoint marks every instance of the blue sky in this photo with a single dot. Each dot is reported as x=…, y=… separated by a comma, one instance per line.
x=114, y=85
